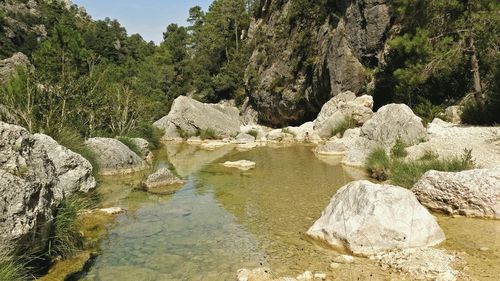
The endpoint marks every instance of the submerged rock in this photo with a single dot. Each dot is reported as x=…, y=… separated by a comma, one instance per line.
x=420, y=263
x=114, y=157
x=189, y=116
x=474, y=193
x=367, y=218
x=241, y=164
x=162, y=181
x=258, y=274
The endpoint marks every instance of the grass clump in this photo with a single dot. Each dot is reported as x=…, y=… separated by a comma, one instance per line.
x=254, y=133
x=207, y=134
x=150, y=133
x=130, y=144
x=379, y=164
x=75, y=142
x=348, y=123
x=399, y=149
x=406, y=173
x=12, y=269
x=66, y=239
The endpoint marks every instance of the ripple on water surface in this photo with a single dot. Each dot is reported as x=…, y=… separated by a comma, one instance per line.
x=224, y=219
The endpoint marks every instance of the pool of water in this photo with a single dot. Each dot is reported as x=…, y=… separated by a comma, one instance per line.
x=224, y=219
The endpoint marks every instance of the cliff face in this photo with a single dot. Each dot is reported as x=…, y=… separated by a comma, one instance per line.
x=298, y=64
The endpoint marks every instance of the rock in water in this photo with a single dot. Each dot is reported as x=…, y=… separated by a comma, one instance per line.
x=189, y=116
x=393, y=122
x=162, y=181
x=143, y=146
x=73, y=171
x=474, y=193
x=114, y=157
x=366, y=218
x=241, y=164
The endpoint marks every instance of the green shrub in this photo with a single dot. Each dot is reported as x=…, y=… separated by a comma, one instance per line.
x=150, y=133
x=254, y=133
x=378, y=164
x=399, y=149
x=66, y=239
x=130, y=144
x=12, y=269
x=406, y=173
x=207, y=134
x=75, y=142
x=348, y=123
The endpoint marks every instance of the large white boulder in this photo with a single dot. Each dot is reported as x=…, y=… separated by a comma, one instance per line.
x=340, y=107
x=473, y=193
x=392, y=122
x=114, y=157
x=367, y=218
x=189, y=116
x=36, y=174
x=74, y=172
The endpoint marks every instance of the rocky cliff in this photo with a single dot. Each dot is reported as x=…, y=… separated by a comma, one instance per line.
x=303, y=58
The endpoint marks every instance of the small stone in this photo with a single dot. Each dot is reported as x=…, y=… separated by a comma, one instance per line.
x=320, y=275
x=484, y=249
x=334, y=265
x=344, y=259
x=112, y=210
x=307, y=275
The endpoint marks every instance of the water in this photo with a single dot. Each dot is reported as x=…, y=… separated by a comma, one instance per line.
x=224, y=219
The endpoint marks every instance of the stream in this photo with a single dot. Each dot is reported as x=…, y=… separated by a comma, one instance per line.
x=224, y=219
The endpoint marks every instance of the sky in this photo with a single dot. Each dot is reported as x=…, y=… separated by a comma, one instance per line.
x=149, y=18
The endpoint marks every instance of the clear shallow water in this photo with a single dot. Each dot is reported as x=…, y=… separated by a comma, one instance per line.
x=224, y=219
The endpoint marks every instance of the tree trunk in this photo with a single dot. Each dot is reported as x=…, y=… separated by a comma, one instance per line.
x=478, y=89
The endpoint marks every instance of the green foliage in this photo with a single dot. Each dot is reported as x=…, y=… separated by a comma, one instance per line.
x=184, y=134
x=130, y=144
x=347, y=123
x=378, y=164
x=207, y=134
x=288, y=131
x=67, y=239
x=430, y=63
x=148, y=132
x=489, y=114
x=12, y=269
x=399, y=149
x=406, y=173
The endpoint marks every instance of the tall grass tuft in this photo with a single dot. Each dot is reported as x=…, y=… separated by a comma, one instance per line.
x=12, y=269
x=399, y=149
x=406, y=173
x=75, y=142
x=130, y=144
x=207, y=134
x=348, y=123
x=148, y=132
x=67, y=239
x=379, y=164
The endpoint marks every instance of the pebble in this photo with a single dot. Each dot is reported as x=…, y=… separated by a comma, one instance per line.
x=344, y=259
